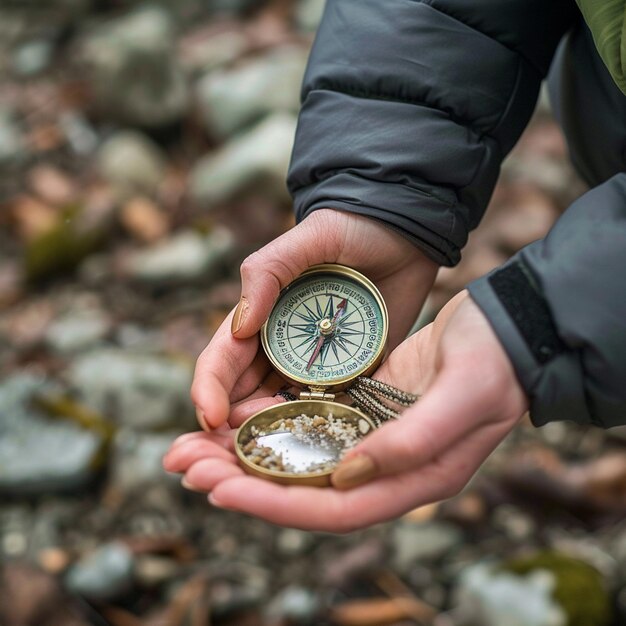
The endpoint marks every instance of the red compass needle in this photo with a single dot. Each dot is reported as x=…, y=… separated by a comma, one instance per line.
x=318, y=347
x=341, y=308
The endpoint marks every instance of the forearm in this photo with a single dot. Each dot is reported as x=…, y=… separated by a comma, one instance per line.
x=409, y=108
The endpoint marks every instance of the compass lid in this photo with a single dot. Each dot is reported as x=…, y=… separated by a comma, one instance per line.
x=328, y=327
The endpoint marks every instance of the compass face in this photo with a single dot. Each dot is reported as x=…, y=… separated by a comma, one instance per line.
x=327, y=327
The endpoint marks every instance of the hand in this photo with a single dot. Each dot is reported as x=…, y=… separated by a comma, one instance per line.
x=471, y=400
x=232, y=376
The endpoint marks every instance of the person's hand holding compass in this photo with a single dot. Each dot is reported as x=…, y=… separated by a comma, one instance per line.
x=470, y=400
x=233, y=377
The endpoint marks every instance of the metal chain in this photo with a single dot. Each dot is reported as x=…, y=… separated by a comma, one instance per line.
x=364, y=393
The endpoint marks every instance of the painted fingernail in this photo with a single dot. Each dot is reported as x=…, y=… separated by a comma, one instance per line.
x=354, y=472
x=241, y=312
x=214, y=501
x=202, y=420
x=187, y=485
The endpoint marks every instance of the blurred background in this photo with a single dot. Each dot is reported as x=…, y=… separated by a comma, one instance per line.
x=143, y=153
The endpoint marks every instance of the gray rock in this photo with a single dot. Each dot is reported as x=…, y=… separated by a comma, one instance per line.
x=186, y=257
x=77, y=331
x=32, y=57
x=12, y=143
x=231, y=99
x=131, y=162
x=488, y=598
x=132, y=66
x=257, y=159
x=292, y=542
x=141, y=390
x=104, y=574
x=419, y=542
x=211, y=53
x=309, y=14
x=293, y=603
x=38, y=455
x=137, y=459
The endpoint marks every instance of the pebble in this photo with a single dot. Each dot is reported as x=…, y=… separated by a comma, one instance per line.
x=151, y=570
x=137, y=459
x=293, y=603
x=12, y=143
x=104, y=574
x=133, y=70
x=131, y=162
x=292, y=542
x=233, y=98
x=500, y=599
x=77, y=331
x=32, y=57
x=419, y=542
x=187, y=256
x=259, y=157
x=142, y=391
x=309, y=14
x=40, y=455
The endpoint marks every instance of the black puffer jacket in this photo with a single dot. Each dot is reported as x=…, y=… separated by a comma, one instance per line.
x=409, y=108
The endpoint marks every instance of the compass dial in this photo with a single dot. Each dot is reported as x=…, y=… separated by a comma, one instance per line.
x=328, y=327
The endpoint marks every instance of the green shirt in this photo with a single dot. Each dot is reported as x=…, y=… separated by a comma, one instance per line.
x=607, y=21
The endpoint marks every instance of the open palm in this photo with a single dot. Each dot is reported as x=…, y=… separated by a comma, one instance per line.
x=471, y=400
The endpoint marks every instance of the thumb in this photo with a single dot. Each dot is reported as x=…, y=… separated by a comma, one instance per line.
x=440, y=418
x=266, y=272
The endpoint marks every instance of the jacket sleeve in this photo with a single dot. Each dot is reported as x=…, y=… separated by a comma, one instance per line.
x=559, y=309
x=410, y=106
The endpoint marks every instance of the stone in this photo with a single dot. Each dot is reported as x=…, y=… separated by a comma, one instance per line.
x=77, y=331
x=133, y=69
x=187, y=256
x=32, y=57
x=139, y=390
x=292, y=542
x=294, y=604
x=131, y=162
x=492, y=598
x=258, y=158
x=39, y=455
x=13, y=149
x=309, y=14
x=137, y=459
x=419, y=542
x=104, y=574
x=203, y=52
x=233, y=98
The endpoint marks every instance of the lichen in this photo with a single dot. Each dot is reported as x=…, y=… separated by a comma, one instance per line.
x=579, y=590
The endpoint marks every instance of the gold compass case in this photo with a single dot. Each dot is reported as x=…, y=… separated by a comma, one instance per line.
x=327, y=328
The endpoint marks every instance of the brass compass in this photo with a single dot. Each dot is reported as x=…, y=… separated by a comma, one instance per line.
x=328, y=328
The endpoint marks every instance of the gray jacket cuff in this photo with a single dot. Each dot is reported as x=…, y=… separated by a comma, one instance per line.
x=551, y=378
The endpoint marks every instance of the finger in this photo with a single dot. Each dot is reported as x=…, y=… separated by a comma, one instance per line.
x=438, y=420
x=245, y=409
x=251, y=378
x=214, y=435
x=206, y=473
x=219, y=367
x=180, y=458
x=266, y=272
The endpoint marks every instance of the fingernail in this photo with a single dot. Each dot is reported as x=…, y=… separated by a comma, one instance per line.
x=354, y=472
x=202, y=420
x=214, y=501
x=241, y=312
x=187, y=485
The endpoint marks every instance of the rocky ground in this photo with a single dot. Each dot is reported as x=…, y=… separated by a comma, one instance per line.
x=143, y=151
